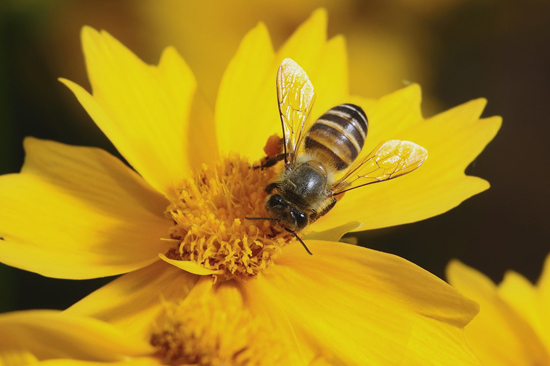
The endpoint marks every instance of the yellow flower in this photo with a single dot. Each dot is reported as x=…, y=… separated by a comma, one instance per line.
x=215, y=328
x=382, y=54
x=513, y=326
x=78, y=212
x=32, y=336
x=205, y=330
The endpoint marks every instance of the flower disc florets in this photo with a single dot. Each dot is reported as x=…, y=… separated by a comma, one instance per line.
x=209, y=219
x=214, y=332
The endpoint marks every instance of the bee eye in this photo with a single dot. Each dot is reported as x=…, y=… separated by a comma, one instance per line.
x=300, y=218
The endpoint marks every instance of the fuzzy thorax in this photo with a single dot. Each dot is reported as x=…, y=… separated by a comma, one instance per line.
x=209, y=219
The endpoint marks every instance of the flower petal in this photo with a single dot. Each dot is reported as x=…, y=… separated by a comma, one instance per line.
x=246, y=109
x=543, y=283
x=543, y=286
x=133, y=301
x=334, y=234
x=145, y=111
x=391, y=114
x=524, y=298
x=189, y=266
x=16, y=355
x=49, y=334
x=243, y=119
x=78, y=212
x=275, y=318
x=366, y=307
x=232, y=295
x=330, y=77
x=306, y=44
x=497, y=335
x=453, y=139
x=193, y=115
x=324, y=61
x=135, y=361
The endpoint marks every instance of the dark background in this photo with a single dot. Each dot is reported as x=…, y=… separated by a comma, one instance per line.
x=463, y=50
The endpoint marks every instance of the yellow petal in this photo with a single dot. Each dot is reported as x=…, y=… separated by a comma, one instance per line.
x=133, y=301
x=325, y=62
x=453, y=139
x=195, y=117
x=543, y=283
x=391, y=114
x=524, y=298
x=190, y=266
x=497, y=335
x=307, y=42
x=246, y=109
x=521, y=295
x=16, y=355
x=49, y=334
x=543, y=286
x=213, y=324
x=233, y=293
x=245, y=116
x=366, y=307
x=334, y=234
x=78, y=212
x=135, y=361
x=330, y=77
x=145, y=111
x=274, y=316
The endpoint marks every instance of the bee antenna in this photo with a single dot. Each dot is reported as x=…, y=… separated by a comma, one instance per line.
x=300, y=240
x=263, y=218
x=290, y=231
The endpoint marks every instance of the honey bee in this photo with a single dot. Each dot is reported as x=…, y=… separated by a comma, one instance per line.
x=321, y=162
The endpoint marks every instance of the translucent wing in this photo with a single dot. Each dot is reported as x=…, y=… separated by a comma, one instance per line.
x=295, y=96
x=389, y=160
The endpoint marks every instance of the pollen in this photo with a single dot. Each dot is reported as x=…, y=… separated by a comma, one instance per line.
x=210, y=225
x=213, y=332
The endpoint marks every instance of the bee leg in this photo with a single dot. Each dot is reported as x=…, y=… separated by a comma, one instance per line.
x=269, y=161
x=316, y=215
x=313, y=215
x=270, y=187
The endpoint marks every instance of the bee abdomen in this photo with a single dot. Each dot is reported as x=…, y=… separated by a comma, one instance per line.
x=338, y=135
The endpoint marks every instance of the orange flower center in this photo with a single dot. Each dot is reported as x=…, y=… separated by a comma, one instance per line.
x=210, y=225
x=213, y=332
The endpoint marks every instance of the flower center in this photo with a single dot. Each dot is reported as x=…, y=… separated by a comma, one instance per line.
x=213, y=332
x=209, y=219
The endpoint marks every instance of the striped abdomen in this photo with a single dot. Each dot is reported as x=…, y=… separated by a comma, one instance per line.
x=338, y=135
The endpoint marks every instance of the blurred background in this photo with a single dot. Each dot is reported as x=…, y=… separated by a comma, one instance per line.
x=456, y=50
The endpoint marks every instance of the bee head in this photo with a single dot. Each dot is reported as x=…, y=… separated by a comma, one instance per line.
x=290, y=217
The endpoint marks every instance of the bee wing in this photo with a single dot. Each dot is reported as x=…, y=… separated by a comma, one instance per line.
x=296, y=97
x=390, y=159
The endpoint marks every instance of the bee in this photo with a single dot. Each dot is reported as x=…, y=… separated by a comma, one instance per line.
x=322, y=162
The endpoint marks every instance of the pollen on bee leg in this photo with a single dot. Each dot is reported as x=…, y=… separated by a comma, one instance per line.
x=209, y=224
x=273, y=146
x=213, y=331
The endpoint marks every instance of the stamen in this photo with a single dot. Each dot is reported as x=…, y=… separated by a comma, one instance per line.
x=210, y=224
x=212, y=332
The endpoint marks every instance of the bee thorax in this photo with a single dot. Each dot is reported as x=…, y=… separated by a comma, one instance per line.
x=304, y=184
